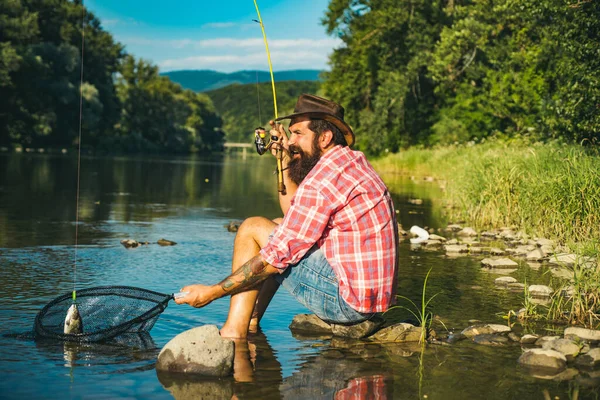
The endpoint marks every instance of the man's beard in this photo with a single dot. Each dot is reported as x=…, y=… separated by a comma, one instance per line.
x=298, y=168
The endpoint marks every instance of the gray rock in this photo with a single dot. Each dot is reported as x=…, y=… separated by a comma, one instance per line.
x=565, y=346
x=504, y=280
x=543, y=341
x=490, y=340
x=545, y=242
x=540, y=291
x=452, y=241
x=514, y=337
x=499, y=263
x=589, y=335
x=529, y=339
x=456, y=248
x=455, y=337
x=589, y=359
x=433, y=243
x=535, y=255
x=437, y=237
x=199, y=351
x=540, y=358
x=467, y=232
x=358, y=331
x=401, y=332
x=475, y=330
x=497, y=252
x=453, y=228
x=516, y=286
x=310, y=323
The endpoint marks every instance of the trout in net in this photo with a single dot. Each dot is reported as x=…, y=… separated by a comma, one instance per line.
x=108, y=311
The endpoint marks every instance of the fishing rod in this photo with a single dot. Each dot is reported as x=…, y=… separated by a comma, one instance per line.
x=260, y=133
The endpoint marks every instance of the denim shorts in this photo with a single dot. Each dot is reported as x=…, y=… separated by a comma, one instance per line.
x=314, y=284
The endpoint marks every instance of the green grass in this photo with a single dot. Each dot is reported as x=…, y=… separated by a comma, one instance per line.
x=546, y=190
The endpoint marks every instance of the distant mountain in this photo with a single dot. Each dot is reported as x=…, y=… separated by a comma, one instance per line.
x=204, y=80
x=241, y=110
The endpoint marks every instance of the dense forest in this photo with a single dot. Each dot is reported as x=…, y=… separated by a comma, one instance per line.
x=127, y=106
x=245, y=107
x=446, y=71
x=419, y=72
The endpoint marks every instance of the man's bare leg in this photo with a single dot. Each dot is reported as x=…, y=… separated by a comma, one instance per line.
x=252, y=235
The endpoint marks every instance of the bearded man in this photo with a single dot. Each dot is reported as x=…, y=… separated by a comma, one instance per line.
x=335, y=250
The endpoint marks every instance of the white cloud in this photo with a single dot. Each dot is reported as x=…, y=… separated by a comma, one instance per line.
x=306, y=59
x=253, y=43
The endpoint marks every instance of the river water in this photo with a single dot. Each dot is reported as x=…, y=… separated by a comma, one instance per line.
x=189, y=201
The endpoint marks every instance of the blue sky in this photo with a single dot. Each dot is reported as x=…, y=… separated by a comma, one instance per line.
x=219, y=34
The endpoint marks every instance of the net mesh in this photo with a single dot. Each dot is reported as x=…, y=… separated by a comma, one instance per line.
x=106, y=312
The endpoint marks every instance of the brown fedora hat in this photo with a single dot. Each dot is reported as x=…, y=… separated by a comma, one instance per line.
x=313, y=106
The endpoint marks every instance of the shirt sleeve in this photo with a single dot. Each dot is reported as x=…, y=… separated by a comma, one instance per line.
x=302, y=227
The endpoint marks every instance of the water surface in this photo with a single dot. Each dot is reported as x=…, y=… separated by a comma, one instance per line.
x=189, y=201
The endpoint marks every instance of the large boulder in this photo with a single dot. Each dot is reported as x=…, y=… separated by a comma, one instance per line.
x=199, y=351
x=545, y=359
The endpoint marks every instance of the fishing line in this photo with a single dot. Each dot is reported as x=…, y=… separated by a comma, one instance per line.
x=79, y=151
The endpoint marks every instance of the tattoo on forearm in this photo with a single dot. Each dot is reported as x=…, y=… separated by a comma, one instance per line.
x=246, y=276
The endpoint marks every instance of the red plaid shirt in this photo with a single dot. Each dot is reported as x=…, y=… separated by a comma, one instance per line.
x=344, y=207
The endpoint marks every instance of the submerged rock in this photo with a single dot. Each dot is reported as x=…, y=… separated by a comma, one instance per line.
x=499, y=263
x=546, y=359
x=165, y=242
x=589, y=359
x=233, y=226
x=132, y=244
x=504, y=280
x=199, y=351
x=489, y=339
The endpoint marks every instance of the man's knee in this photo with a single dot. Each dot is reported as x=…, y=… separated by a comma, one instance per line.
x=259, y=228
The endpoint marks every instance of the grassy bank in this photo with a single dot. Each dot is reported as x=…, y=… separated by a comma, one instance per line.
x=546, y=190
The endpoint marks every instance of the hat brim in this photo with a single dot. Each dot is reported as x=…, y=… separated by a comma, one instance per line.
x=341, y=125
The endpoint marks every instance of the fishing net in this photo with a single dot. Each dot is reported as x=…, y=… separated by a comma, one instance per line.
x=106, y=312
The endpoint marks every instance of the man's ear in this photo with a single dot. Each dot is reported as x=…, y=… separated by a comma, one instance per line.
x=325, y=139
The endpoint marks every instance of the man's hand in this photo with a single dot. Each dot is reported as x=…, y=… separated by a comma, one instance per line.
x=279, y=139
x=198, y=295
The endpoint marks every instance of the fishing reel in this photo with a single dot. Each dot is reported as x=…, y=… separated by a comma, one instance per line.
x=262, y=146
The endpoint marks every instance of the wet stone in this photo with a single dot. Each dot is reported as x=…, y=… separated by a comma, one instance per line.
x=456, y=248
x=529, y=339
x=490, y=340
x=401, y=332
x=565, y=346
x=589, y=335
x=589, y=359
x=514, y=337
x=545, y=359
x=467, y=232
x=165, y=242
x=455, y=337
x=535, y=255
x=359, y=330
x=199, y=351
x=516, y=286
x=499, y=263
x=497, y=252
x=504, y=280
x=540, y=291
x=475, y=330
x=544, y=340
x=437, y=237
x=310, y=323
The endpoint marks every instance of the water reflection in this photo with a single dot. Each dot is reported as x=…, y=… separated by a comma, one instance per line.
x=341, y=370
